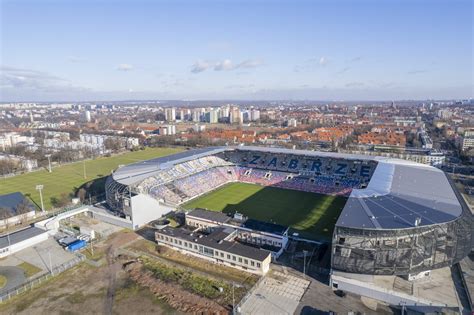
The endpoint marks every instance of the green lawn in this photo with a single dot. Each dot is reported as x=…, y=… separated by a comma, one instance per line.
x=309, y=214
x=67, y=178
x=29, y=269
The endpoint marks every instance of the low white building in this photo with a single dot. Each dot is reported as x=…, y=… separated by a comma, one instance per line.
x=217, y=246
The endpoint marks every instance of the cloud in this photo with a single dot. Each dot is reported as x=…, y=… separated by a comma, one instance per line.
x=200, y=66
x=20, y=83
x=323, y=61
x=250, y=63
x=343, y=70
x=355, y=59
x=312, y=64
x=11, y=77
x=224, y=65
x=124, y=67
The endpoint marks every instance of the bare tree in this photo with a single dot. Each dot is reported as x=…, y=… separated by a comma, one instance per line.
x=5, y=214
x=23, y=207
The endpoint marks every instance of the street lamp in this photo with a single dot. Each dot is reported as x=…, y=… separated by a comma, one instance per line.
x=49, y=162
x=233, y=296
x=40, y=189
x=304, y=262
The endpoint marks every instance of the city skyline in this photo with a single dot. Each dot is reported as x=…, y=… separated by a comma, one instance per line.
x=241, y=50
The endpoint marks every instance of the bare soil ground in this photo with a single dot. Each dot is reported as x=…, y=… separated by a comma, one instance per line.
x=83, y=290
x=90, y=290
x=122, y=286
x=173, y=294
x=201, y=266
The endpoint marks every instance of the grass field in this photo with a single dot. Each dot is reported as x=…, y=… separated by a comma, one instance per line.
x=309, y=214
x=29, y=269
x=67, y=178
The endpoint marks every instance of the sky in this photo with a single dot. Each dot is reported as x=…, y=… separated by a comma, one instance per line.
x=243, y=50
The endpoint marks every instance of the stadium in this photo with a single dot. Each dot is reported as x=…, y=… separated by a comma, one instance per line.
x=383, y=216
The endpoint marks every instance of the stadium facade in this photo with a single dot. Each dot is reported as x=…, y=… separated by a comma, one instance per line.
x=401, y=217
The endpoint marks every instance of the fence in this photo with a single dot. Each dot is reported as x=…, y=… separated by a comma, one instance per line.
x=249, y=293
x=5, y=296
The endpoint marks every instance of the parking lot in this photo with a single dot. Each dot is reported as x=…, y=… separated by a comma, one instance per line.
x=278, y=293
x=44, y=255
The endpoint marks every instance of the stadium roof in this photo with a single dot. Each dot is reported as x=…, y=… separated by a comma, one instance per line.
x=136, y=172
x=400, y=194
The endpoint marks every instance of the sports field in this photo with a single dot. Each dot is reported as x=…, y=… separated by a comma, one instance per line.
x=311, y=215
x=67, y=178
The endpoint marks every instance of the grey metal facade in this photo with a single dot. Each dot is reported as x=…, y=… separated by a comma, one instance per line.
x=402, y=251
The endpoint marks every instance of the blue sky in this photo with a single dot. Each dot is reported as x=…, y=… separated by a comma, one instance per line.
x=320, y=50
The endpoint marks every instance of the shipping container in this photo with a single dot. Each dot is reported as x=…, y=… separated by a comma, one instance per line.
x=77, y=245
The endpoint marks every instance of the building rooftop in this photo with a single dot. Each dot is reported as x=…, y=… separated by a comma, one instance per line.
x=216, y=240
x=209, y=215
x=265, y=226
x=19, y=236
x=10, y=202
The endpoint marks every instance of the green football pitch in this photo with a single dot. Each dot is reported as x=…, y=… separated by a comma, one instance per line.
x=309, y=214
x=68, y=178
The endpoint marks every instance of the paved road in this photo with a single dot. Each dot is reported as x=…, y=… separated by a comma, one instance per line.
x=15, y=277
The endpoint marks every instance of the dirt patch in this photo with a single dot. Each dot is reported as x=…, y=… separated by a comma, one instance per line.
x=173, y=294
x=85, y=289
x=197, y=264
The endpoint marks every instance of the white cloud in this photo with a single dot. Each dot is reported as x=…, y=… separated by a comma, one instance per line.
x=26, y=78
x=224, y=65
x=200, y=66
x=343, y=70
x=250, y=63
x=311, y=64
x=124, y=67
x=417, y=71
x=19, y=83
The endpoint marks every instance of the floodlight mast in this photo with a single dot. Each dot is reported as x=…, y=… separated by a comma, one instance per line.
x=49, y=162
x=40, y=189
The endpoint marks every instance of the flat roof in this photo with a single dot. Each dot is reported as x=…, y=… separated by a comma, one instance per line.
x=215, y=240
x=265, y=226
x=20, y=236
x=209, y=215
x=9, y=203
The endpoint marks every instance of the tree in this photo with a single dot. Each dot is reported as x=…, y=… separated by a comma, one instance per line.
x=81, y=194
x=23, y=207
x=113, y=144
x=5, y=214
x=7, y=166
x=63, y=200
